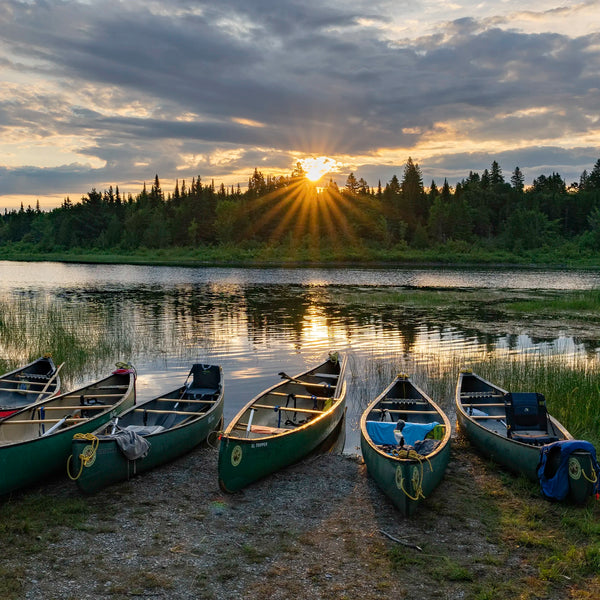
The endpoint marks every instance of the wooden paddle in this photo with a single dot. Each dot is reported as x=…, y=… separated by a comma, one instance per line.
x=49, y=382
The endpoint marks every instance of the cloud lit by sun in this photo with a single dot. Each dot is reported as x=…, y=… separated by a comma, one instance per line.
x=315, y=168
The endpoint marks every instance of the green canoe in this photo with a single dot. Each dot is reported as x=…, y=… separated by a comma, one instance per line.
x=283, y=424
x=481, y=410
x=169, y=425
x=35, y=442
x=409, y=472
x=38, y=380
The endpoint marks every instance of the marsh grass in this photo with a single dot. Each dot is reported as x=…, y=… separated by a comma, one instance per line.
x=80, y=335
x=566, y=304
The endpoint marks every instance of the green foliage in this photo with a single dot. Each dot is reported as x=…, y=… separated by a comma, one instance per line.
x=482, y=212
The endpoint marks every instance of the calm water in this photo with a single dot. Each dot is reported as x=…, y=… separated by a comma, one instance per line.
x=257, y=322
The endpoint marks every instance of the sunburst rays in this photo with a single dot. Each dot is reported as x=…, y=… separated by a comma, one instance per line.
x=306, y=221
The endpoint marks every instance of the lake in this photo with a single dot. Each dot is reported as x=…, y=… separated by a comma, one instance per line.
x=258, y=322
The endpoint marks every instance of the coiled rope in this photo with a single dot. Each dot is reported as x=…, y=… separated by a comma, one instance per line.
x=594, y=475
x=87, y=456
x=417, y=475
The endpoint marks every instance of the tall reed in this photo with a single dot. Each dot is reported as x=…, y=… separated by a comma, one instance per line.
x=78, y=335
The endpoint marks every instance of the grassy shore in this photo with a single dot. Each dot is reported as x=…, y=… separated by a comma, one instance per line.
x=296, y=255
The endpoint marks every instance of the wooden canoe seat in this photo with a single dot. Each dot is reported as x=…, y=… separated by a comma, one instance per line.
x=405, y=411
x=261, y=429
x=497, y=417
x=331, y=375
x=288, y=409
x=301, y=396
x=489, y=394
x=267, y=430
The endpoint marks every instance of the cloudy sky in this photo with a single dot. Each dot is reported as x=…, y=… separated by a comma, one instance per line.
x=106, y=92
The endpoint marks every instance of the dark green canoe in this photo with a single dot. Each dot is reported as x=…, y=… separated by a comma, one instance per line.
x=169, y=425
x=406, y=473
x=38, y=380
x=482, y=416
x=283, y=424
x=35, y=442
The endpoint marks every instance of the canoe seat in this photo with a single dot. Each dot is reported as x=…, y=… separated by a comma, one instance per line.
x=527, y=418
x=144, y=429
x=206, y=379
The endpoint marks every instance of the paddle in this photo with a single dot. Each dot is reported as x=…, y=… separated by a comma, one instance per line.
x=49, y=382
x=295, y=380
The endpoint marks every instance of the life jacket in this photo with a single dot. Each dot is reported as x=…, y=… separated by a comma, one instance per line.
x=555, y=482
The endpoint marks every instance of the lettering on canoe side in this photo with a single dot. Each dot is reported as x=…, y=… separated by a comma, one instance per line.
x=259, y=445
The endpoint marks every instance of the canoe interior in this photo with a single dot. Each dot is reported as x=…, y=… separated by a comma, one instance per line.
x=23, y=386
x=290, y=404
x=181, y=406
x=404, y=401
x=483, y=403
x=65, y=411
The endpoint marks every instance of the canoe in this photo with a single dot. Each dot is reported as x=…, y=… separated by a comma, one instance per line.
x=35, y=442
x=407, y=472
x=151, y=433
x=515, y=430
x=38, y=380
x=283, y=424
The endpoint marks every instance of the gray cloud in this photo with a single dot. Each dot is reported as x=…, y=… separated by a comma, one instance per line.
x=316, y=77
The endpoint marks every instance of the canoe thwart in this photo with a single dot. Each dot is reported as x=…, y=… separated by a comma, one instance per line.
x=70, y=396
x=289, y=409
x=301, y=396
x=483, y=404
x=487, y=417
x=185, y=400
x=167, y=412
x=80, y=407
x=406, y=412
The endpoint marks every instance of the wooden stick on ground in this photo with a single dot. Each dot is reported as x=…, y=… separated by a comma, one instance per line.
x=400, y=541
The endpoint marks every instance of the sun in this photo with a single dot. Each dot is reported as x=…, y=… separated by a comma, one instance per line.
x=315, y=168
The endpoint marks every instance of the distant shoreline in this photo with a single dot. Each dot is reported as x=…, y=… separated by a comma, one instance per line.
x=272, y=258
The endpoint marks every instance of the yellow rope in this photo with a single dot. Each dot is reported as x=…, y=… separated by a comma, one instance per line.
x=593, y=473
x=417, y=478
x=84, y=459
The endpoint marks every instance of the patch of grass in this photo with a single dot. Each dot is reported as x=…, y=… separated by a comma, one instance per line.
x=568, y=304
x=28, y=518
x=253, y=554
x=11, y=582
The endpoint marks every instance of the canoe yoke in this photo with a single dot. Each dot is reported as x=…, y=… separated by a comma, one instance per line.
x=404, y=408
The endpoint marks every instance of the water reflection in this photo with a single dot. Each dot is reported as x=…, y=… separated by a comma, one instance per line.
x=162, y=322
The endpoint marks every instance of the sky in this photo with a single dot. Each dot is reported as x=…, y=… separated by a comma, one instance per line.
x=99, y=93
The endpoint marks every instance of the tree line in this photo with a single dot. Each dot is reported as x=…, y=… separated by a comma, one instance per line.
x=483, y=209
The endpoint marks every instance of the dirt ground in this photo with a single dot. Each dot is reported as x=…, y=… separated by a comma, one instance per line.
x=316, y=530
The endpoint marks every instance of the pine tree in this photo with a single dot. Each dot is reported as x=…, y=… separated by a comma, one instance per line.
x=517, y=180
x=496, y=177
